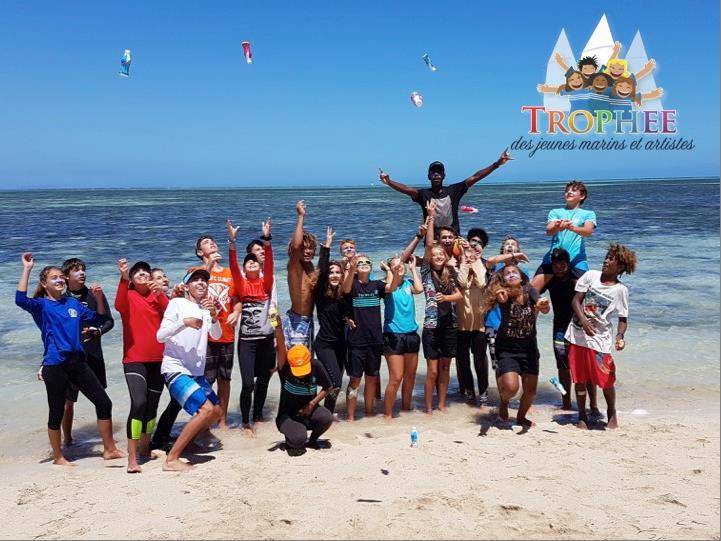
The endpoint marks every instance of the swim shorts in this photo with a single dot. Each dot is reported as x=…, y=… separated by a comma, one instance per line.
x=589, y=366
x=190, y=392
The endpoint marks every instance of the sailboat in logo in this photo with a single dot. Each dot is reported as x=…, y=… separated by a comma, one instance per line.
x=600, y=45
x=637, y=59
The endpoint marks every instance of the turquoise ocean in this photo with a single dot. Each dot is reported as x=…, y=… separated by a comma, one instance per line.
x=672, y=349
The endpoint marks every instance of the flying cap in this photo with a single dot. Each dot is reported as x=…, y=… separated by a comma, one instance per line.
x=298, y=359
x=437, y=166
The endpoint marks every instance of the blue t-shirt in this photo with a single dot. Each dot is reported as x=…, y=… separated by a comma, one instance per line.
x=400, y=312
x=493, y=316
x=60, y=323
x=572, y=242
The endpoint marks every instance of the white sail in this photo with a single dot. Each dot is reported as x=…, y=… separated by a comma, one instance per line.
x=600, y=44
x=637, y=58
x=555, y=74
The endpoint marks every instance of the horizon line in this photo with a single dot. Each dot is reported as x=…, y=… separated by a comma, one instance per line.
x=376, y=184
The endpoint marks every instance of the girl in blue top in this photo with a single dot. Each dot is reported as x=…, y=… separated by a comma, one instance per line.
x=401, y=341
x=60, y=320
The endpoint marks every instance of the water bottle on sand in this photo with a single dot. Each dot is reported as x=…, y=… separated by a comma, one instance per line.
x=558, y=385
x=414, y=437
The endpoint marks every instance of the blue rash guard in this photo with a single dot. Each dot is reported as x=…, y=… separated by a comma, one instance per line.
x=60, y=323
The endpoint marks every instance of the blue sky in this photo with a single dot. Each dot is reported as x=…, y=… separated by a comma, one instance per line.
x=326, y=98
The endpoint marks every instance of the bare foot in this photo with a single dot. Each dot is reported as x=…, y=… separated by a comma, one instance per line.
x=62, y=461
x=525, y=422
x=351, y=419
x=223, y=426
x=177, y=465
x=442, y=408
x=429, y=411
x=112, y=454
x=582, y=424
x=612, y=422
x=248, y=431
x=503, y=412
x=134, y=468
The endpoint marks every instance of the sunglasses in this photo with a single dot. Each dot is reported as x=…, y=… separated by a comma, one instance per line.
x=364, y=262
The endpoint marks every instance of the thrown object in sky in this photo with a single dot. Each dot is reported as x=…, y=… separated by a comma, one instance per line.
x=427, y=60
x=125, y=64
x=469, y=209
x=246, y=52
x=417, y=99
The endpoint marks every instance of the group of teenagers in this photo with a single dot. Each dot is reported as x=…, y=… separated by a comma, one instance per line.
x=477, y=306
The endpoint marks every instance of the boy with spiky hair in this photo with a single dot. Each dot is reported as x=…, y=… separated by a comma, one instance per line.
x=588, y=65
x=599, y=294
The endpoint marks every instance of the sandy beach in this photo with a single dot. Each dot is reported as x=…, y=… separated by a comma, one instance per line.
x=657, y=476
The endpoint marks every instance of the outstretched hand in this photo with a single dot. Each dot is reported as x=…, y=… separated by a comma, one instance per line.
x=28, y=260
x=505, y=156
x=431, y=208
x=300, y=208
x=232, y=231
x=124, y=268
x=329, y=234
x=266, y=227
x=385, y=177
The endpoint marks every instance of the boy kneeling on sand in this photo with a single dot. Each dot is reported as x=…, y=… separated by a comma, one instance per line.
x=598, y=295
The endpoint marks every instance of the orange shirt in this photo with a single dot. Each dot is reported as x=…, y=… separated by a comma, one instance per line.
x=222, y=290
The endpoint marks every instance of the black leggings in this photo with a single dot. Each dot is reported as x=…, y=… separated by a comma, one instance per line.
x=296, y=431
x=256, y=359
x=333, y=356
x=145, y=384
x=75, y=370
x=166, y=422
x=472, y=342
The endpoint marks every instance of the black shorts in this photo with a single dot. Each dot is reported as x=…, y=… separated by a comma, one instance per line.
x=401, y=343
x=520, y=362
x=441, y=342
x=560, y=349
x=219, y=361
x=547, y=268
x=364, y=360
x=98, y=368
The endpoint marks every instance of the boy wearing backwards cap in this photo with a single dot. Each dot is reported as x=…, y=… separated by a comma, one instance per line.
x=184, y=330
x=298, y=410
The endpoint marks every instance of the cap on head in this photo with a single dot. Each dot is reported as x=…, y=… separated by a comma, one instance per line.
x=137, y=267
x=249, y=257
x=196, y=271
x=436, y=166
x=298, y=359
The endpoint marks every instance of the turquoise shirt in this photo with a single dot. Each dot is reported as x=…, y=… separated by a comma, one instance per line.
x=572, y=242
x=400, y=312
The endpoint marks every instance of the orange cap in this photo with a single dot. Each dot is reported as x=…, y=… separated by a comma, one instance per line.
x=298, y=358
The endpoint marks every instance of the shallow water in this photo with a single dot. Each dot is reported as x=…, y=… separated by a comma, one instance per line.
x=673, y=336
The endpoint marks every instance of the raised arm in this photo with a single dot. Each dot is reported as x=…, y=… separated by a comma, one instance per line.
x=408, y=251
x=21, y=296
x=28, y=264
x=235, y=271
x=349, y=275
x=417, y=282
x=121, y=296
x=615, y=51
x=266, y=237
x=397, y=272
x=430, y=229
x=645, y=70
x=483, y=173
x=397, y=186
x=560, y=61
x=296, y=241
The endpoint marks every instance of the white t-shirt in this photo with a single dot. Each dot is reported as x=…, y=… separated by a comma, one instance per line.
x=599, y=303
x=185, y=347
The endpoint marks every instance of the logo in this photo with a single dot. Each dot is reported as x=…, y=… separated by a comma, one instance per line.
x=72, y=312
x=606, y=89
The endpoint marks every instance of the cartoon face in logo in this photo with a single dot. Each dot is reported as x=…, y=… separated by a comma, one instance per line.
x=72, y=312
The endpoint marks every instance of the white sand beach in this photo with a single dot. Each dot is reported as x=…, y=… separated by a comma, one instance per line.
x=657, y=476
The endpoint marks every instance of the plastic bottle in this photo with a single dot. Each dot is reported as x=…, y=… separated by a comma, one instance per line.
x=558, y=385
x=414, y=437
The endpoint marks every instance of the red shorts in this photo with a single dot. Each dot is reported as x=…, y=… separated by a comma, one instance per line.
x=589, y=366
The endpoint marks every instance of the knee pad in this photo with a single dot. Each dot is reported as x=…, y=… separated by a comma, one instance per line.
x=351, y=393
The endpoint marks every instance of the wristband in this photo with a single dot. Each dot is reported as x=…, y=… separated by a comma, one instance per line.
x=419, y=236
x=267, y=239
